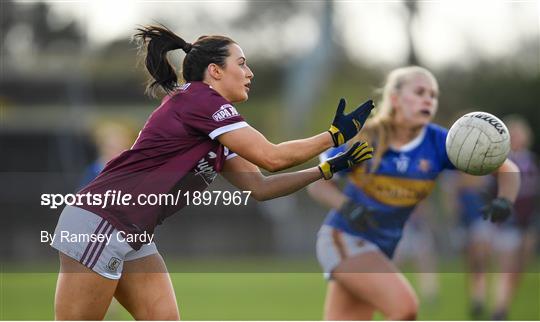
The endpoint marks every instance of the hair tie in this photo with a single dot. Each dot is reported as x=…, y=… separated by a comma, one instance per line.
x=187, y=47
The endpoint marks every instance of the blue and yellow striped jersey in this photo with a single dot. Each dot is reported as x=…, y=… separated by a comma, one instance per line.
x=404, y=177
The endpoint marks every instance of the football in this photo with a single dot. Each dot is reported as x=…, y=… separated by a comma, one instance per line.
x=478, y=143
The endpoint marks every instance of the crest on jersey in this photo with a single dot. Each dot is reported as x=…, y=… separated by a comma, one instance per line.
x=402, y=163
x=424, y=165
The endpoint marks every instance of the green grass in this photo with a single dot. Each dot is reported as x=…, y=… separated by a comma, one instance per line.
x=253, y=296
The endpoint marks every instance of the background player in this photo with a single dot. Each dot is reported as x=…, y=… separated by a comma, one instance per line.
x=111, y=138
x=359, y=236
x=527, y=207
x=516, y=238
x=183, y=145
x=471, y=193
x=510, y=243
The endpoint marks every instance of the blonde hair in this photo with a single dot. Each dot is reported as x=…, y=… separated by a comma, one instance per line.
x=378, y=128
x=103, y=129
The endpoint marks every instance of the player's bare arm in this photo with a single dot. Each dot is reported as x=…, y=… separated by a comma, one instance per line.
x=246, y=175
x=509, y=180
x=253, y=146
x=327, y=194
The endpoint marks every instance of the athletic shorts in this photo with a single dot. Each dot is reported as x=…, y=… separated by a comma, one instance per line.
x=93, y=241
x=415, y=240
x=482, y=231
x=502, y=238
x=507, y=239
x=334, y=245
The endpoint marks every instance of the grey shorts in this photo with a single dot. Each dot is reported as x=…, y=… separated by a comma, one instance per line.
x=334, y=245
x=95, y=243
x=501, y=238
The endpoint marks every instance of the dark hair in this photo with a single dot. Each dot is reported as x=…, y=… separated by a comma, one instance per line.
x=156, y=41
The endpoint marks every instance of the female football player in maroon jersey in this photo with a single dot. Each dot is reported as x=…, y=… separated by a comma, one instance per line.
x=194, y=134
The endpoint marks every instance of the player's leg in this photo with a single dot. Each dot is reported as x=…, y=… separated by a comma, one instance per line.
x=85, y=287
x=504, y=290
x=341, y=304
x=507, y=247
x=81, y=294
x=368, y=276
x=146, y=291
x=478, y=249
x=425, y=260
x=528, y=246
x=372, y=278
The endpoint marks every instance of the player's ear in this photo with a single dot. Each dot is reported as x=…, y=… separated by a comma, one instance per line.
x=215, y=71
x=394, y=100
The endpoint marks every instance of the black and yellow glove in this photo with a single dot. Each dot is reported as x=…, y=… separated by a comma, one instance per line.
x=359, y=217
x=498, y=210
x=356, y=154
x=344, y=127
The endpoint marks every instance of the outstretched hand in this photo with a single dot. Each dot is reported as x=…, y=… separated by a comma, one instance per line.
x=498, y=210
x=356, y=154
x=346, y=126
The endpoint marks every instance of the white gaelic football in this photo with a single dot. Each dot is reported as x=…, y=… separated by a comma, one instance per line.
x=478, y=143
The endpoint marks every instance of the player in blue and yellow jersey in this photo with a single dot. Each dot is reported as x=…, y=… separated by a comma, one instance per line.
x=358, y=238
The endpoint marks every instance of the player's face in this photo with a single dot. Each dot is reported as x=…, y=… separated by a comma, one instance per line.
x=416, y=102
x=237, y=76
x=518, y=137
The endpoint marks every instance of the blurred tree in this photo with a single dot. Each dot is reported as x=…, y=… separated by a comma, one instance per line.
x=307, y=76
x=412, y=12
x=496, y=87
x=263, y=11
x=45, y=34
x=7, y=18
x=38, y=17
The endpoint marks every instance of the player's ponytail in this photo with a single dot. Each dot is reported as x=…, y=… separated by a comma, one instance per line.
x=156, y=41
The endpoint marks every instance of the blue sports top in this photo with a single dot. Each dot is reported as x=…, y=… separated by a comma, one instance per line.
x=405, y=176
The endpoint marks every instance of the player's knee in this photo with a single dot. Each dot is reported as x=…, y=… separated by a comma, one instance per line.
x=63, y=313
x=406, y=310
x=168, y=316
x=160, y=313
